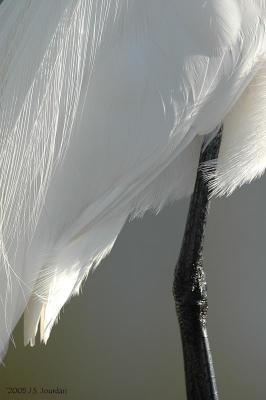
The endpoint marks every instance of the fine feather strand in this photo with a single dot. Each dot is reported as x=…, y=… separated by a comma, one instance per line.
x=36, y=129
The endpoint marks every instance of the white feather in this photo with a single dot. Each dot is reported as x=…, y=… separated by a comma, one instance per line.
x=242, y=155
x=101, y=104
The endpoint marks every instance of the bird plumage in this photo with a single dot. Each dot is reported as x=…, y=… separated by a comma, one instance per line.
x=104, y=105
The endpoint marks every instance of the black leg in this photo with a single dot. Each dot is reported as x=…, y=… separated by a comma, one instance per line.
x=190, y=291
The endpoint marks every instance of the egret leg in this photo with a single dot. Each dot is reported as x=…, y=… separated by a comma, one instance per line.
x=190, y=290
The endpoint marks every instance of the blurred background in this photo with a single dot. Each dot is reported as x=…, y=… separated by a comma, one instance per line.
x=119, y=340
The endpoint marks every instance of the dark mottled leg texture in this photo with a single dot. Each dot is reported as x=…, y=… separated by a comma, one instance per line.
x=190, y=291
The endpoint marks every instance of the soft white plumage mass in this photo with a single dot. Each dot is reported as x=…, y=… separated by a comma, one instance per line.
x=103, y=108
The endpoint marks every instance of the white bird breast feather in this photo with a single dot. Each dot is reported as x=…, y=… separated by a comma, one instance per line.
x=103, y=106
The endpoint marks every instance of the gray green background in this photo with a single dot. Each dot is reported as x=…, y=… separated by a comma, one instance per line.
x=119, y=340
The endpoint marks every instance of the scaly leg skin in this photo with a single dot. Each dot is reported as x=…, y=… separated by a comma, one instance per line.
x=190, y=290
